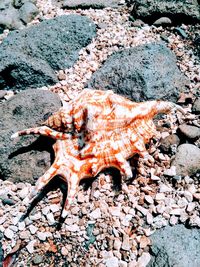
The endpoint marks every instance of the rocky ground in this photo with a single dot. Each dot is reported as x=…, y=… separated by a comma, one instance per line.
x=109, y=225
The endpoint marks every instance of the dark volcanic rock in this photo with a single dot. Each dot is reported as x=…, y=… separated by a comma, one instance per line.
x=187, y=160
x=141, y=73
x=26, y=109
x=179, y=11
x=28, y=57
x=175, y=246
x=90, y=4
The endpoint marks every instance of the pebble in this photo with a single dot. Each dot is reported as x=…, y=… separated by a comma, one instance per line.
x=9, y=233
x=41, y=235
x=112, y=262
x=117, y=244
x=173, y=220
x=24, y=234
x=30, y=246
x=54, y=208
x=125, y=243
x=149, y=199
x=115, y=211
x=64, y=251
x=50, y=218
x=96, y=214
x=23, y=193
x=144, y=241
x=191, y=206
x=144, y=259
x=37, y=259
x=160, y=196
x=33, y=229
x=21, y=225
x=36, y=216
x=170, y=172
x=162, y=21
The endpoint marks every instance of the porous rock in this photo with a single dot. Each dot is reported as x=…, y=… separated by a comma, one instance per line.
x=187, y=160
x=179, y=11
x=29, y=57
x=83, y=4
x=141, y=73
x=182, y=250
x=26, y=109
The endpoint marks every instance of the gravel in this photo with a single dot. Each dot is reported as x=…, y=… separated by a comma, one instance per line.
x=122, y=220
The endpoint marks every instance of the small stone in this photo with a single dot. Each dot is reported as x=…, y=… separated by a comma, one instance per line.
x=54, y=208
x=72, y=228
x=75, y=210
x=141, y=209
x=42, y=236
x=144, y=259
x=24, y=235
x=189, y=131
x=149, y=218
x=8, y=201
x=2, y=93
x=112, y=262
x=176, y=211
x=64, y=251
x=191, y=206
x=45, y=210
x=160, y=196
x=117, y=244
x=163, y=21
x=125, y=243
x=33, y=229
x=36, y=216
x=196, y=106
x=149, y=199
x=81, y=198
x=165, y=188
x=144, y=241
x=138, y=23
x=50, y=218
x=188, y=196
x=37, y=259
x=173, y=220
x=170, y=172
x=9, y=233
x=21, y=226
x=115, y=211
x=23, y=193
x=96, y=214
x=30, y=246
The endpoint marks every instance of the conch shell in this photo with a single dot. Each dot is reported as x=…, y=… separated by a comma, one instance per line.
x=94, y=131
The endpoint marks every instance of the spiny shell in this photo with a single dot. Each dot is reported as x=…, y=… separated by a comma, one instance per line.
x=97, y=130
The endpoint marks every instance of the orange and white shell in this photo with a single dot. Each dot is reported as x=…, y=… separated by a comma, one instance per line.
x=94, y=131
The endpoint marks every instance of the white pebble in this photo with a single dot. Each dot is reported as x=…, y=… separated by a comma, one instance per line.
x=30, y=246
x=33, y=229
x=9, y=233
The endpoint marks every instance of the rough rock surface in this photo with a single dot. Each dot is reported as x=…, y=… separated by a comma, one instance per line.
x=16, y=14
x=141, y=73
x=178, y=11
x=180, y=251
x=25, y=110
x=187, y=160
x=28, y=57
x=168, y=142
x=90, y=4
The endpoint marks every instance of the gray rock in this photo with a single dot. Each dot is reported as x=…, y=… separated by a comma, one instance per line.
x=26, y=109
x=175, y=246
x=1, y=251
x=162, y=21
x=167, y=142
x=84, y=4
x=141, y=73
x=187, y=160
x=179, y=11
x=37, y=259
x=28, y=57
x=189, y=131
x=19, y=3
x=13, y=18
x=28, y=12
x=196, y=106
